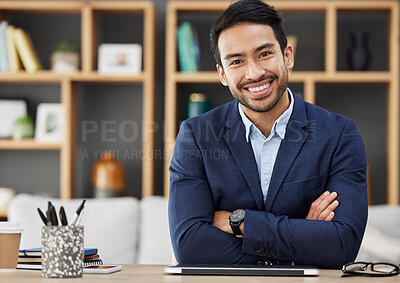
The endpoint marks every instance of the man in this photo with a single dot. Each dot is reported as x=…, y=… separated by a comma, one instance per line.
x=267, y=177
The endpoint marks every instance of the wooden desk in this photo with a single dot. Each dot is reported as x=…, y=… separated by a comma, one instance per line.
x=155, y=273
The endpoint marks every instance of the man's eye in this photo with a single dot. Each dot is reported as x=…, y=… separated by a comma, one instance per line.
x=235, y=62
x=265, y=54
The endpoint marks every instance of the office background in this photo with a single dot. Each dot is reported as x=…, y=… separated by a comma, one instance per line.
x=112, y=104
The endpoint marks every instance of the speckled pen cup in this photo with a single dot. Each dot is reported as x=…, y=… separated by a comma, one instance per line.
x=62, y=251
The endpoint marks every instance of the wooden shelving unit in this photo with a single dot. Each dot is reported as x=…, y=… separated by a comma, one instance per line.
x=88, y=13
x=309, y=79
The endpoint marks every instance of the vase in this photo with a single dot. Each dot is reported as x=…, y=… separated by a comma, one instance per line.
x=64, y=62
x=359, y=55
x=108, y=176
x=197, y=104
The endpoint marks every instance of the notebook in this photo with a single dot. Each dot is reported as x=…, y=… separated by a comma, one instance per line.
x=253, y=270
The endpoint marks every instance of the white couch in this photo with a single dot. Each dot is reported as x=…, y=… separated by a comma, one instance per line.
x=381, y=240
x=125, y=230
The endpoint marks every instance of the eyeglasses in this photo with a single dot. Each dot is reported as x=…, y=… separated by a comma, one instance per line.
x=370, y=269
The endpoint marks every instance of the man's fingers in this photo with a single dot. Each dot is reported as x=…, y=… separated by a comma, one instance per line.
x=315, y=204
x=330, y=216
x=325, y=215
x=322, y=207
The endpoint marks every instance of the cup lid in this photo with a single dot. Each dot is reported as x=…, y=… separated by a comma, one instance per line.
x=10, y=227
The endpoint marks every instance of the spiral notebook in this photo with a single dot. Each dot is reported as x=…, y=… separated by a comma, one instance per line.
x=252, y=270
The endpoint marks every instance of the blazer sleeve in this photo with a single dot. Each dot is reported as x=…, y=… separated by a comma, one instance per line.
x=191, y=210
x=314, y=242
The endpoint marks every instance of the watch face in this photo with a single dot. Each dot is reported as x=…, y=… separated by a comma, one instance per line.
x=237, y=215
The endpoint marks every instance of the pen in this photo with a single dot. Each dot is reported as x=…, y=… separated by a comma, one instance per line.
x=77, y=213
x=63, y=217
x=53, y=215
x=44, y=219
x=48, y=214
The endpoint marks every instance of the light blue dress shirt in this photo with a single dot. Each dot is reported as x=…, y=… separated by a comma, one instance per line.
x=266, y=148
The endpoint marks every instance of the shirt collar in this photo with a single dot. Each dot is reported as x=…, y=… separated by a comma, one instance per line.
x=280, y=124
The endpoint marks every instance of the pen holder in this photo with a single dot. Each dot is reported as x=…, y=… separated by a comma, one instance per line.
x=62, y=251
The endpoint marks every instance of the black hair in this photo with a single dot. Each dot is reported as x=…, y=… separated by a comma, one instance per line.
x=251, y=11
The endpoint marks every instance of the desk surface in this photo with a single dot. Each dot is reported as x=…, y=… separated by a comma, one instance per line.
x=155, y=273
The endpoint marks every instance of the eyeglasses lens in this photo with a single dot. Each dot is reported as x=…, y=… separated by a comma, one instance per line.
x=357, y=266
x=384, y=268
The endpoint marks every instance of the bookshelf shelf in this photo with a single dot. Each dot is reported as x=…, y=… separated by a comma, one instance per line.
x=87, y=15
x=331, y=68
x=295, y=76
x=48, y=76
x=27, y=144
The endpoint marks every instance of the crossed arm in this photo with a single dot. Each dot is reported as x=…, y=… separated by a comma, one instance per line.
x=321, y=209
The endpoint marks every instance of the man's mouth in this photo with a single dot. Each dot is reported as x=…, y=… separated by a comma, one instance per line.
x=259, y=88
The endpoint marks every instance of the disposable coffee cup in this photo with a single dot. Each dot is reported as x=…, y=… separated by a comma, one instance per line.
x=10, y=237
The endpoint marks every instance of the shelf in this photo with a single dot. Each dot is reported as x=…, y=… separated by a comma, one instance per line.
x=345, y=76
x=86, y=24
x=27, y=144
x=49, y=76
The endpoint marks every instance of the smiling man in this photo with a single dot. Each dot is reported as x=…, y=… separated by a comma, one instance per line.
x=289, y=184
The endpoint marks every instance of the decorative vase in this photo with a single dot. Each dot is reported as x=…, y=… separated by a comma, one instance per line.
x=359, y=55
x=197, y=104
x=64, y=62
x=108, y=176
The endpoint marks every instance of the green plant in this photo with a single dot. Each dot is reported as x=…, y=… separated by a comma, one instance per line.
x=24, y=119
x=64, y=46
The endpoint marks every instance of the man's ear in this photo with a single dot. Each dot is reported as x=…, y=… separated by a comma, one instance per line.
x=222, y=76
x=289, y=56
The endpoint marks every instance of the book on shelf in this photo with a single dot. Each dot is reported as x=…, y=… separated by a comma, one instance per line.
x=26, y=50
x=3, y=47
x=188, y=48
x=14, y=63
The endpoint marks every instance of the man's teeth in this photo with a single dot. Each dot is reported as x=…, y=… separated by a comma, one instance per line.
x=260, y=88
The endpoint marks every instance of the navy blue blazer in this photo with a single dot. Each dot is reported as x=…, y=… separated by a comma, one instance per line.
x=213, y=168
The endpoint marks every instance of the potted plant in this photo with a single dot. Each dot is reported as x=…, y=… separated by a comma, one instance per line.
x=65, y=58
x=23, y=128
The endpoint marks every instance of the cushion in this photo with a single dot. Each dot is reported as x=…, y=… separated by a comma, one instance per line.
x=381, y=240
x=154, y=240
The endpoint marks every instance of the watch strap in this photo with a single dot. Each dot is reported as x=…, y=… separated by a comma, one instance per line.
x=235, y=228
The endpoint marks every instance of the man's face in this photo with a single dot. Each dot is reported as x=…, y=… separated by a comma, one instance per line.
x=253, y=66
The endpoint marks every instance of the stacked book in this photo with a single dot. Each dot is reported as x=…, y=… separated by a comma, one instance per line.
x=32, y=258
x=16, y=47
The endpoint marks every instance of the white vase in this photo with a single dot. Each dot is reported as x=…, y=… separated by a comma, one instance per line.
x=64, y=62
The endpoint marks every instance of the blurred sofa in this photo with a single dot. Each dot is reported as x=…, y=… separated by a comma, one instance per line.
x=381, y=240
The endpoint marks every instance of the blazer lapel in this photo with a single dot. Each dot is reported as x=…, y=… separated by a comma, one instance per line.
x=243, y=153
x=290, y=147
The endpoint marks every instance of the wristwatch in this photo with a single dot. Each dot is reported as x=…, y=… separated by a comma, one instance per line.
x=235, y=219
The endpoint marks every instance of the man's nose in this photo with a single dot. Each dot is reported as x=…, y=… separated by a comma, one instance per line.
x=254, y=70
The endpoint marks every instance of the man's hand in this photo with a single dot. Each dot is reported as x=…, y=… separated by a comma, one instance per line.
x=221, y=221
x=323, y=207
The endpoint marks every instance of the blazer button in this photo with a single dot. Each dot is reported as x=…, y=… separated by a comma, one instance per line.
x=258, y=249
x=272, y=252
x=267, y=251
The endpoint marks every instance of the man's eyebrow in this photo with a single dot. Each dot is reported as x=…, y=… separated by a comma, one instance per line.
x=266, y=45
x=229, y=56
